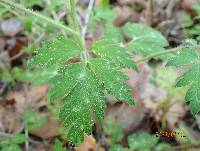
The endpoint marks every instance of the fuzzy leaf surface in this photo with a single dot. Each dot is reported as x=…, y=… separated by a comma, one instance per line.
x=189, y=57
x=104, y=13
x=112, y=32
x=80, y=88
x=55, y=52
x=112, y=52
x=116, y=147
x=142, y=141
x=145, y=40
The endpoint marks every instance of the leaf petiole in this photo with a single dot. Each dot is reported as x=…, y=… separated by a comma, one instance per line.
x=158, y=54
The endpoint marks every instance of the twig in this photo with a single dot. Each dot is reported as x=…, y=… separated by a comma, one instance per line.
x=25, y=124
x=98, y=132
x=61, y=15
x=87, y=18
x=17, y=56
x=149, y=12
x=27, y=141
x=3, y=54
x=165, y=22
x=2, y=134
x=39, y=38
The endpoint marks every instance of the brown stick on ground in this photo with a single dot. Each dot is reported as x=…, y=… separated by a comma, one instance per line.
x=149, y=13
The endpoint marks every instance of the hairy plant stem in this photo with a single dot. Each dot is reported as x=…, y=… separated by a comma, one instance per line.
x=81, y=38
x=158, y=54
x=44, y=18
x=76, y=24
x=73, y=16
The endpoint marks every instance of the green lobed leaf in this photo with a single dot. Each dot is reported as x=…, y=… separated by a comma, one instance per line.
x=32, y=120
x=11, y=147
x=36, y=77
x=58, y=146
x=116, y=147
x=112, y=80
x=55, y=52
x=81, y=99
x=112, y=52
x=112, y=130
x=84, y=95
x=81, y=87
x=145, y=40
x=18, y=138
x=196, y=7
x=113, y=33
x=186, y=21
x=3, y=10
x=163, y=147
x=189, y=57
x=104, y=13
x=142, y=141
x=5, y=142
